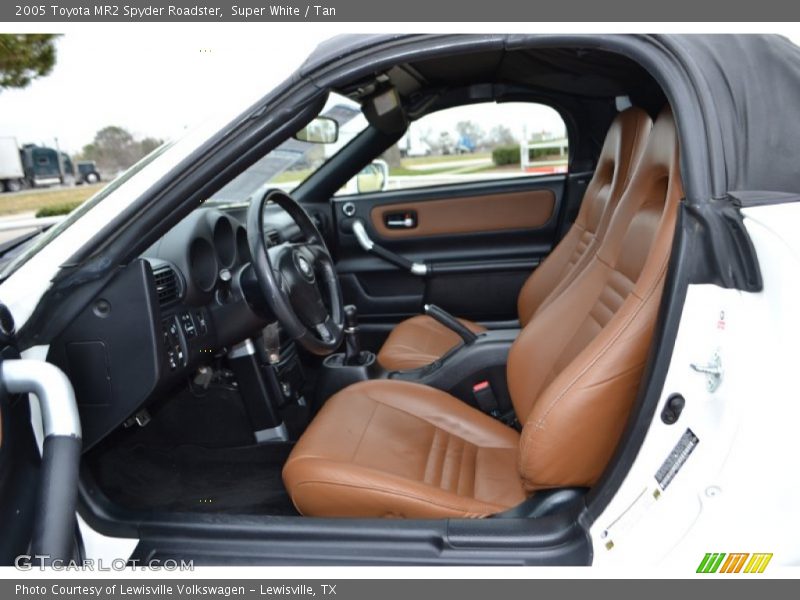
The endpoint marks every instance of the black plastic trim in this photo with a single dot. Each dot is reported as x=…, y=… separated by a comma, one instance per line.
x=746, y=199
x=509, y=264
x=212, y=539
x=729, y=257
x=54, y=527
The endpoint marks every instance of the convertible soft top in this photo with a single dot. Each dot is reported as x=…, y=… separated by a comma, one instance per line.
x=749, y=87
x=755, y=85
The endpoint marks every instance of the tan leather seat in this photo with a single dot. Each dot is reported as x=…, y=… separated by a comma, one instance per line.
x=421, y=340
x=397, y=449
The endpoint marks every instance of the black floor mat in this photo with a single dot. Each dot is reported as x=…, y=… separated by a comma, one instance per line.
x=241, y=480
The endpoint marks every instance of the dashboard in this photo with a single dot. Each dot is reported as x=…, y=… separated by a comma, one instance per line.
x=200, y=273
x=179, y=305
x=197, y=273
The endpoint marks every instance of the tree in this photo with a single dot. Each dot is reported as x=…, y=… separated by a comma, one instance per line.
x=114, y=148
x=392, y=156
x=470, y=131
x=500, y=135
x=148, y=144
x=24, y=57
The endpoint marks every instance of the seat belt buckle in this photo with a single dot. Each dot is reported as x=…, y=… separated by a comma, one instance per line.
x=484, y=396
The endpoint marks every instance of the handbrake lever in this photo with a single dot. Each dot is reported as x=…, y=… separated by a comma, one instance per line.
x=449, y=321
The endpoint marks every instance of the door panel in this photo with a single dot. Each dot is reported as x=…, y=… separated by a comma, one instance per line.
x=480, y=240
x=529, y=209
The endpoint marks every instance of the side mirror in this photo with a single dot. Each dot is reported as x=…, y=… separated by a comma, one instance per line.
x=322, y=130
x=373, y=177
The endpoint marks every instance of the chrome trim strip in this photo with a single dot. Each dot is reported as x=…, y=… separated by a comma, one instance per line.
x=53, y=389
x=245, y=348
x=273, y=434
x=361, y=235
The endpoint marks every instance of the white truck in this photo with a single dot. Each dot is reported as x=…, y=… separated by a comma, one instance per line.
x=12, y=174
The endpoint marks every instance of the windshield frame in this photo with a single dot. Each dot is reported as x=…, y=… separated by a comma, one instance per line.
x=353, y=128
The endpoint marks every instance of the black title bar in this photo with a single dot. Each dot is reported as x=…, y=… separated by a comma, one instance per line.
x=448, y=11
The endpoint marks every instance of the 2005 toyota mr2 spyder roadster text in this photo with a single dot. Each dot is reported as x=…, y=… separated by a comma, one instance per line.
x=333, y=332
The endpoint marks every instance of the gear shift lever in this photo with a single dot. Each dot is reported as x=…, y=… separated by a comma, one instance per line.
x=352, y=349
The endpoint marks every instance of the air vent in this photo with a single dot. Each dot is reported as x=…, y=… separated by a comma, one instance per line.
x=167, y=288
x=273, y=237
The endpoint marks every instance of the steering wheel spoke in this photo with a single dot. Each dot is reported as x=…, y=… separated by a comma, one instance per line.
x=298, y=280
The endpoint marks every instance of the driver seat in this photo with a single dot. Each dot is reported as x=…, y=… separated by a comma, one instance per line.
x=389, y=448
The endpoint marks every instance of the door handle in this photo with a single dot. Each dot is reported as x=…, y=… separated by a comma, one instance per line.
x=401, y=220
x=400, y=261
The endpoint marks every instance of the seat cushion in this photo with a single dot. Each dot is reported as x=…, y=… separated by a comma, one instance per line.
x=399, y=449
x=419, y=341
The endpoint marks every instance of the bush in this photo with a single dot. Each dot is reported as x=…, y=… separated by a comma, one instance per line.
x=57, y=209
x=505, y=155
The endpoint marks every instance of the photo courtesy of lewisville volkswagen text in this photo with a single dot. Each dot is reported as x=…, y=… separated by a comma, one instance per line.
x=299, y=299
x=161, y=589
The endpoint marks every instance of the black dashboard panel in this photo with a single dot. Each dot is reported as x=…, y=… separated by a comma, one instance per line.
x=204, y=250
x=159, y=319
x=111, y=353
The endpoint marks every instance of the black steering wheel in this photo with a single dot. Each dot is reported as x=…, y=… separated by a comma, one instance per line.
x=298, y=280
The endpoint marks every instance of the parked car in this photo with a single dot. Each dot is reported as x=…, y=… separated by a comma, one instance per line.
x=589, y=367
x=87, y=172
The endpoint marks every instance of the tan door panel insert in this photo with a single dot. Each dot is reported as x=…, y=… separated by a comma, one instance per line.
x=492, y=212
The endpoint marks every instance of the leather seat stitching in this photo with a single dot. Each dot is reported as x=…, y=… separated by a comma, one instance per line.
x=600, y=353
x=364, y=432
x=431, y=423
x=490, y=507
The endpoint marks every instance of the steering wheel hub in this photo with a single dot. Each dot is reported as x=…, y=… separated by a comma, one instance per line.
x=304, y=266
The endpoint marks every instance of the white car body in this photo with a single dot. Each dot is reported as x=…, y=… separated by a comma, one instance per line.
x=746, y=427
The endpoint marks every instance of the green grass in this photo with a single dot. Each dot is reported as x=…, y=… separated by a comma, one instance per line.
x=38, y=200
x=57, y=210
x=287, y=176
x=432, y=160
x=403, y=171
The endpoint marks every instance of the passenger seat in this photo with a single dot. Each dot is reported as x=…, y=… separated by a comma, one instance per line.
x=421, y=340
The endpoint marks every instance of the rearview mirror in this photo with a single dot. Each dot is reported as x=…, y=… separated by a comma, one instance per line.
x=322, y=130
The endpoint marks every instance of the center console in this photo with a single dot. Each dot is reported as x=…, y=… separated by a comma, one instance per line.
x=474, y=371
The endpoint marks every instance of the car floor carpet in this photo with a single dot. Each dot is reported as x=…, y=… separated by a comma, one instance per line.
x=192, y=478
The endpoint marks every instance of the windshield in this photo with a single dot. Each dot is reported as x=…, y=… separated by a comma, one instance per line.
x=291, y=163
x=10, y=263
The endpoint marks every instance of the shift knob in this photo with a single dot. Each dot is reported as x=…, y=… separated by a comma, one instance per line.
x=352, y=345
x=350, y=316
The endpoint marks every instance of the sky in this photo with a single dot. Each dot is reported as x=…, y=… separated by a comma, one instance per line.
x=151, y=84
x=159, y=79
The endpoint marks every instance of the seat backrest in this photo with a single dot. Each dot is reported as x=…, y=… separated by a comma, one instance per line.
x=575, y=369
x=621, y=151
